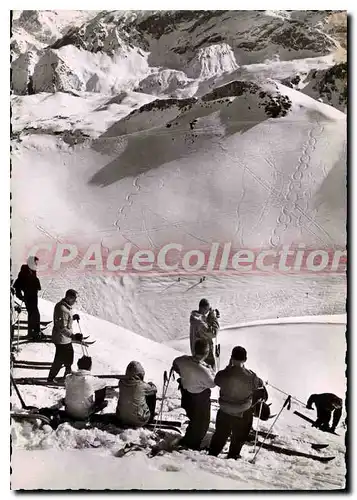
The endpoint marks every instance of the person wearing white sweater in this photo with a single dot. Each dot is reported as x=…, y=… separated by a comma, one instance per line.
x=85, y=393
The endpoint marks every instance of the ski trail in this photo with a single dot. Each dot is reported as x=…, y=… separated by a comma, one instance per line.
x=177, y=226
x=146, y=230
x=280, y=199
x=177, y=282
x=196, y=284
x=239, y=225
x=128, y=199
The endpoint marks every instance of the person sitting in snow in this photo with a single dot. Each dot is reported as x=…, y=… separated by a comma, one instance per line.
x=62, y=335
x=204, y=325
x=196, y=381
x=325, y=404
x=238, y=386
x=137, y=399
x=27, y=286
x=85, y=393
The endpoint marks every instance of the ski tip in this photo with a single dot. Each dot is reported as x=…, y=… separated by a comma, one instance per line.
x=326, y=459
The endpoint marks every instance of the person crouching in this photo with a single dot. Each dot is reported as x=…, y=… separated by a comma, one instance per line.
x=85, y=393
x=137, y=399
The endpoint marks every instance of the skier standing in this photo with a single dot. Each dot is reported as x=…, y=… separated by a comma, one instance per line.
x=238, y=386
x=197, y=379
x=137, y=399
x=85, y=393
x=62, y=334
x=27, y=286
x=325, y=404
x=204, y=324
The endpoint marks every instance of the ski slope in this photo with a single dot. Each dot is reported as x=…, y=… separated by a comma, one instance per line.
x=69, y=458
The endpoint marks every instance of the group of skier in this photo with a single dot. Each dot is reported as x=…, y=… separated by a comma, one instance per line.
x=242, y=393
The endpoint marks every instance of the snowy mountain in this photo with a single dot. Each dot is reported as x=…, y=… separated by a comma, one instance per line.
x=120, y=49
x=195, y=128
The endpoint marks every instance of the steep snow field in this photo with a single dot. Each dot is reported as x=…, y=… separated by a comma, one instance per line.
x=312, y=360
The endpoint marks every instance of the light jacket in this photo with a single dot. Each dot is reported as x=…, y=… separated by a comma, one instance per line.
x=237, y=385
x=62, y=323
x=80, y=389
x=132, y=409
x=196, y=376
x=200, y=328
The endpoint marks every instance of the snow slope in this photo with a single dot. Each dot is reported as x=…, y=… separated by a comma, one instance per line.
x=318, y=349
x=257, y=181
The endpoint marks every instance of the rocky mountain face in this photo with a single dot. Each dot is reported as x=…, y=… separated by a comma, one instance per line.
x=328, y=85
x=165, y=53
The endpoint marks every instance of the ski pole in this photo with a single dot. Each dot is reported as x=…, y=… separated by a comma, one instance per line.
x=217, y=353
x=84, y=347
x=257, y=430
x=287, y=403
x=18, y=330
x=286, y=394
x=164, y=390
x=23, y=404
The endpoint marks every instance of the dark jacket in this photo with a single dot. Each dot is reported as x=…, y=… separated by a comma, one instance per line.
x=237, y=385
x=27, y=284
x=326, y=401
x=132, y=409
x=62, y=323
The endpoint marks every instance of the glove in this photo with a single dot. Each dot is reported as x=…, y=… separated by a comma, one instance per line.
x=77, y=336
x=260, y=394
x=76, y=317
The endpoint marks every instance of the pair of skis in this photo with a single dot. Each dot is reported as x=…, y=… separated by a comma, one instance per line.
x=307, y=419
x=59, y=382
x=164, y=425
x=48, y=339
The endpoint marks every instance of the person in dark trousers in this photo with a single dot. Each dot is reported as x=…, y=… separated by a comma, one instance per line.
x=137, y=399
x=238, y=387
x=62, y=334
x=204, y=325
x=27, y=286
x=196, y=381
x=326, y=404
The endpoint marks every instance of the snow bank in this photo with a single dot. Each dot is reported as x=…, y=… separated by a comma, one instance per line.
x=335, y=319
x=97, y=470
